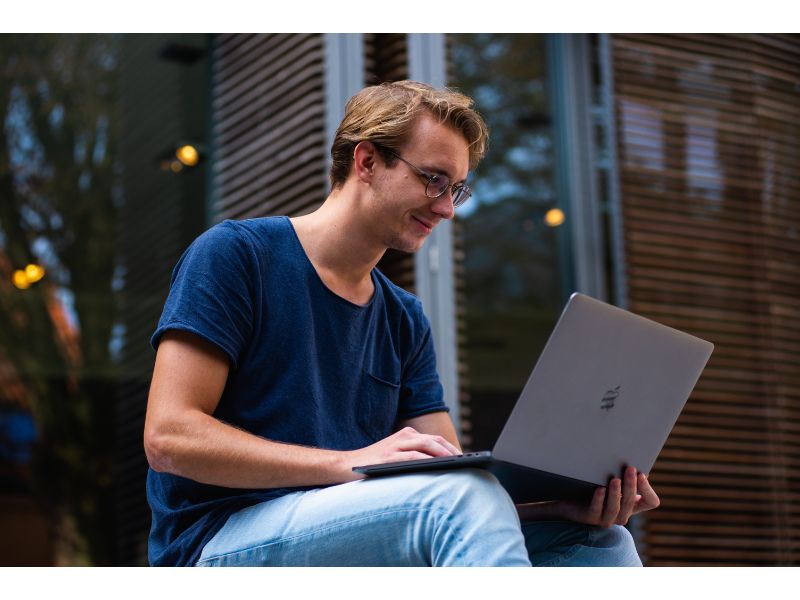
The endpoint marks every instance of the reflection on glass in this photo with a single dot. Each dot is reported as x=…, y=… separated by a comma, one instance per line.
x=58, y=135
x=512, y=279
x=188, y=155
x=554, y=217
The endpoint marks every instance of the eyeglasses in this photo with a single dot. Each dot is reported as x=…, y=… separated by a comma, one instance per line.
x=437, y=185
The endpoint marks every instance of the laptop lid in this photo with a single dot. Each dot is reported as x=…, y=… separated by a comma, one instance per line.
x=605, y=393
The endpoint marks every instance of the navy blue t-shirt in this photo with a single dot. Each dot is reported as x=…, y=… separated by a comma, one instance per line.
x=307, y=366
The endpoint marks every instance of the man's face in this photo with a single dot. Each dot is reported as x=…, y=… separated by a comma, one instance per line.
x=405, y=215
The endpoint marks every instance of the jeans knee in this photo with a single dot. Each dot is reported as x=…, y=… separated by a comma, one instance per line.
x=620, y=541
x=473, y=489
x=475, y=522
x=469, y=481
x=617, y=536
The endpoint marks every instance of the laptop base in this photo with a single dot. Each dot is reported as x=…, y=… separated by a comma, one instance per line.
x=523, y=484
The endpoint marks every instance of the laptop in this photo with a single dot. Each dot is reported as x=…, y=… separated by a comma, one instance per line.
x=604, y=394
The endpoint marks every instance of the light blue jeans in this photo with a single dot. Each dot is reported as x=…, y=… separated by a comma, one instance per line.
x=459, y=518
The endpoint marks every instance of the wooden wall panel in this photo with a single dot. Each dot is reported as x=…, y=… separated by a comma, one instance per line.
x=268, y=104
x=709, y=156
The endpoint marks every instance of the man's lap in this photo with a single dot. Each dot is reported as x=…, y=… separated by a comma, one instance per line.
x=403, y=521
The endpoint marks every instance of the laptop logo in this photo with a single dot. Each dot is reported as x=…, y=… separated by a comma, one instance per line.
x=607, y=403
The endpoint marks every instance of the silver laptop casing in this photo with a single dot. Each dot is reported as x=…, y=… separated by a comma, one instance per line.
x=605, y=393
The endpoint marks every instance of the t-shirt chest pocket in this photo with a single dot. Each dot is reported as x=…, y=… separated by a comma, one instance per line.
x=379, y=402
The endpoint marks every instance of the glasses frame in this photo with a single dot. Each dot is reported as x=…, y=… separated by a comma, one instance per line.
x=459, y=192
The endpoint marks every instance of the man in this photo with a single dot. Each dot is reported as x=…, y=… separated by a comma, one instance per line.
x=284, y=359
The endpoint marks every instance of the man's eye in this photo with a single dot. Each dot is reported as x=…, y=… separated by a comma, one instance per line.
x=435, y=179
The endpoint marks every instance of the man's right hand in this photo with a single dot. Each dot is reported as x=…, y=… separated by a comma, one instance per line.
x=406, y=444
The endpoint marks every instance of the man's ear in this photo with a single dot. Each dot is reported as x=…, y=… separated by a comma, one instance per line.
x=365, y=156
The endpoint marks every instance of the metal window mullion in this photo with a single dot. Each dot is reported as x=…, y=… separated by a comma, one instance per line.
x=344, y=77
x=613, y=196
x=569, y=61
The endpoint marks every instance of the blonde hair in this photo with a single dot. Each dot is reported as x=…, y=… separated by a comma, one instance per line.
x=385, y=114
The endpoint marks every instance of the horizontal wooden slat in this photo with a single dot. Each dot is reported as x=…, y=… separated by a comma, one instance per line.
x=285, y=176
x=724, y=51
x=263, y=103
x=260, y=53
x=269, y=112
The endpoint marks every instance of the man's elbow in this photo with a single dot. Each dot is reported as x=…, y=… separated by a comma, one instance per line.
x=158, y=450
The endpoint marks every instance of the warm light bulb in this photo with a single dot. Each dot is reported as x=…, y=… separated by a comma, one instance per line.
x=34, y=273
x=554, y=217
x=188, y=155
x=21, y=280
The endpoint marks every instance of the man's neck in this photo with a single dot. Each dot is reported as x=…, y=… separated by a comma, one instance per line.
x=340, y=247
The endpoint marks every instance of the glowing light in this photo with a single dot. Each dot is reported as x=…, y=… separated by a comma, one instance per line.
x=176, y=166
x=34, y=273
x=188, y=155
x=554, y=217
x=21, y=280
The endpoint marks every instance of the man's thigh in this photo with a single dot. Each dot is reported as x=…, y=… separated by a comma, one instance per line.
x=373, y=522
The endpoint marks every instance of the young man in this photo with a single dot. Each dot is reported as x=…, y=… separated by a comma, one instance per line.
x=284, y=358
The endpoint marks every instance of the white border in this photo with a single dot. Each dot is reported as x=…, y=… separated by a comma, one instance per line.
x=400, y=584
x=579, y=16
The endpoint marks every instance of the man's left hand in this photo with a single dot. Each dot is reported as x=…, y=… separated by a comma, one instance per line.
x=611, y=505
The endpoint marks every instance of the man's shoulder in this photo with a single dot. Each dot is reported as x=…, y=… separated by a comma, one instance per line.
x=401, y=298
x=258, y=226
x=255, y=232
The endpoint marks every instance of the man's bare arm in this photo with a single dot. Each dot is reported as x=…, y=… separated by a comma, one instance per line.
x=183, y=438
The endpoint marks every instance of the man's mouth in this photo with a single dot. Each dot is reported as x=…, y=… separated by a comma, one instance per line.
x=424, y=225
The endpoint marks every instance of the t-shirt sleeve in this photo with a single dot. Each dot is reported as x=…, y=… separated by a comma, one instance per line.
x=421, y=391
x=210, y=292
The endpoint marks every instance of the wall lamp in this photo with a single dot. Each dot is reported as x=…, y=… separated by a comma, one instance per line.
x=183, y=155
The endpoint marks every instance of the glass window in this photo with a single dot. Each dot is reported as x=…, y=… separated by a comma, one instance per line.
x=510, y=229
x=95, y=208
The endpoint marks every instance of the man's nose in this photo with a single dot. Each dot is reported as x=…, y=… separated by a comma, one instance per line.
x=443, y=205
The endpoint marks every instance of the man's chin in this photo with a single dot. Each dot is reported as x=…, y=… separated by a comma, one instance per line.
x=407, y=246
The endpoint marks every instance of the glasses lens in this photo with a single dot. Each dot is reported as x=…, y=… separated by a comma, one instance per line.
x=437, y=185
x=461, y=194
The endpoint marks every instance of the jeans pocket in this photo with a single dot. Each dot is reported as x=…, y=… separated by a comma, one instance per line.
x=378, y=408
